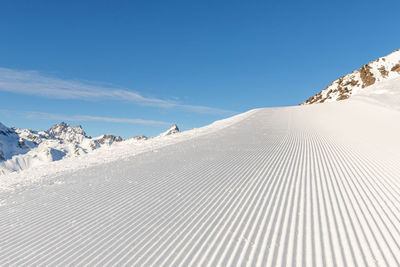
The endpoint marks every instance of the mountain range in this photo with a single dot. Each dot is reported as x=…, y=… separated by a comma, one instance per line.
x=25, y=148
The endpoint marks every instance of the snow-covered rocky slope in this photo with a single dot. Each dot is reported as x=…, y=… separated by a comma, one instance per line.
x=21, y=149
x=381, y=70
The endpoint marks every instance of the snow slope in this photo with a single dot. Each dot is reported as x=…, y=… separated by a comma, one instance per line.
x=385, y=93
x=315, y=185
x=374, y=73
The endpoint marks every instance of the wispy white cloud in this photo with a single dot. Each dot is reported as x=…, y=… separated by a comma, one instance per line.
x=76, y=118
x=35, y=83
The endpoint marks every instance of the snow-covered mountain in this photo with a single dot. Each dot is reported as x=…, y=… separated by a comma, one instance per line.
x=172, y=130
x=383, y=69
x=24, y=148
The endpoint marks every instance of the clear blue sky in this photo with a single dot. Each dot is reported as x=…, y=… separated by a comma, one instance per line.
x=132, y=67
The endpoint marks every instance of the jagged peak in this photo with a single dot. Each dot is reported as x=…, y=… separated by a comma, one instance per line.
x=67, y=132
x=65, y=127
x=172, y=130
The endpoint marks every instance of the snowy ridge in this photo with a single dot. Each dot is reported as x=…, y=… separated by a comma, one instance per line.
x=383, y=69
x=68, y=133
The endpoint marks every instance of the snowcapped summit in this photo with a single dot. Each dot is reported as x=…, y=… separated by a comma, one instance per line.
x=23, y=148
x=172, y=130
x=68, y=133
x=380, y=70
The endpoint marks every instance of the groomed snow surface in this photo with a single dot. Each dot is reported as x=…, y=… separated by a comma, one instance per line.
x=314, y=185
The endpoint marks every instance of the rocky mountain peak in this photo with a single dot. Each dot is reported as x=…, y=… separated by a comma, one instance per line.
x=381, y=69
x=172, y=130
x=66, y=132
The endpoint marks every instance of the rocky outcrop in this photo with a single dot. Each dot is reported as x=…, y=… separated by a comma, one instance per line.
x=396, y=68
x=106, y=139
x=366, y=76
x=140, y=138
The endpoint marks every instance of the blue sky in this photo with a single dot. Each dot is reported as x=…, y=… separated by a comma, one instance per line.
x=134, y=67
